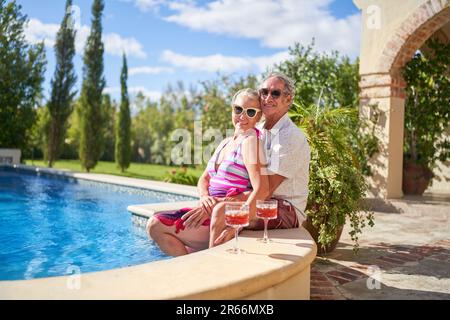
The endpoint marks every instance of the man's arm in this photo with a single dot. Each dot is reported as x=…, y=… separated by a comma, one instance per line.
x=274, y=181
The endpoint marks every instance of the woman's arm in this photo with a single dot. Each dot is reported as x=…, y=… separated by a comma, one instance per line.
x=259, y=182
x=203, y=183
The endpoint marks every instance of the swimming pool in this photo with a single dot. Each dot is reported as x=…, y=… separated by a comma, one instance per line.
x=53, y=226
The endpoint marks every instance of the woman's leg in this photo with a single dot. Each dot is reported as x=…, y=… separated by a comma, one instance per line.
x=174, y=244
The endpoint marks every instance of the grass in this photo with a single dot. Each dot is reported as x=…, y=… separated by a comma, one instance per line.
x=136, y=170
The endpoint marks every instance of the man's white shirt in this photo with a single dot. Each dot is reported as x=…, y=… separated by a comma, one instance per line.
x=288, y=154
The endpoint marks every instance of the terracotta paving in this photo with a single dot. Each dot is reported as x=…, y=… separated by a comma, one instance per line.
x=406, y=255
x=325, y=284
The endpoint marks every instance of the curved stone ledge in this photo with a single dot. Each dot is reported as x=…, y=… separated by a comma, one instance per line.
x=279, y=270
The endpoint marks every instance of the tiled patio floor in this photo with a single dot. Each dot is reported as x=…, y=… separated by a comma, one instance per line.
x=406, y=255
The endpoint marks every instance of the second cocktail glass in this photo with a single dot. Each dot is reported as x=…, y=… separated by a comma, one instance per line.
x=267, y=210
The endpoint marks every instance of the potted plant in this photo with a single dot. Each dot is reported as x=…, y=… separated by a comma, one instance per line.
x=427, y=115
x=336, y=181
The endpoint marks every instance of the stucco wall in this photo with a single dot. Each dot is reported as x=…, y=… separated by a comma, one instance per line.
x=391, y=14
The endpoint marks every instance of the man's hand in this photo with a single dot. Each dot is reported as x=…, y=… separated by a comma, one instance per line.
x=226, y=235
x=208, y=203
x=195, y=218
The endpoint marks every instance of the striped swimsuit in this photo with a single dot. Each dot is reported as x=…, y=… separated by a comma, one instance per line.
x=231, y=178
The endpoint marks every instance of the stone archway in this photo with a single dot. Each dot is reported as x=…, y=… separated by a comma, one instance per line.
x=386, y=46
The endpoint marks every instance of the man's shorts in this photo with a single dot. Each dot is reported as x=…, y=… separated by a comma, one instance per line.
x=286, y=219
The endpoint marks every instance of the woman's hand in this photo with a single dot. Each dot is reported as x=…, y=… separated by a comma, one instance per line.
x=195, y=218
x=208, y=203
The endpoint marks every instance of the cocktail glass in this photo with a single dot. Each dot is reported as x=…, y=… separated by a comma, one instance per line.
x=267, y=210
x=237, y=216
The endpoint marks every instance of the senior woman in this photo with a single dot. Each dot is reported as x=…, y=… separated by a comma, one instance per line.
x=234, y=168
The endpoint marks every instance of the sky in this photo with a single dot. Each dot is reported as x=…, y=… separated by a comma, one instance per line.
x=193, y=40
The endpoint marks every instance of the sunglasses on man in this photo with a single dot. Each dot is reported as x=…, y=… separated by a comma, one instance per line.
x=251, y=112
x=276, y=93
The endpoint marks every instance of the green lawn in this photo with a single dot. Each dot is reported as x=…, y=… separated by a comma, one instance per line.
x=136, y=170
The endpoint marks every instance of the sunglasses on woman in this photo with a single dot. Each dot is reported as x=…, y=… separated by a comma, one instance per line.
x=251, y=112
x=274, y=93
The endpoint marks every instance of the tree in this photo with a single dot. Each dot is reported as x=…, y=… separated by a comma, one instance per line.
x=163, y=126
x=22, y=68
x=109, y=110
x=143, y=129
x=61, y=101
x=36, y=141
x=91, y=120
x=123, y=136
x=332, y=78
x=214, y=101
x=71, y=144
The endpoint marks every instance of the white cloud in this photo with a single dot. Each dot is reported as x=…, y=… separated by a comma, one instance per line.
x=145, y=5
x=152, y=95
x=37, y=31
x=208, y=63
x=149, y=70
x=275, y=23
x=154, y=5
x=218, y=62
x=116, y=45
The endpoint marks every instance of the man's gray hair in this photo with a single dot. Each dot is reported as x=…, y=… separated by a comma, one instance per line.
x=289, y=84
x=247, y=92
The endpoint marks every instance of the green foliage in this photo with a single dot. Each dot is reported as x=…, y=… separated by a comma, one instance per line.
x=154, y=124
x=109, y=111
x=332, y=78
x=427, y=108
x=123, y=135
x=215, y=103
x=71, y=144
x=22, y=69
x=61, y=101
x=336, y=182
x=182, y=177
x=183, y=118
x=91, y=116
x=163, y=126
x=142, y=129
x=215, y=100
x=36, y=141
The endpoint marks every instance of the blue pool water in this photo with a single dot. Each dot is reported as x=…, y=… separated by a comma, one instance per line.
x=57, y=226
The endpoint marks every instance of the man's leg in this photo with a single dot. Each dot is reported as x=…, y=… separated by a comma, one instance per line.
x=218, y=226
x=286, y=218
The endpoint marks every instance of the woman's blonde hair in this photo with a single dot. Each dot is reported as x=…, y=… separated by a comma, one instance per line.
x=248, y=92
